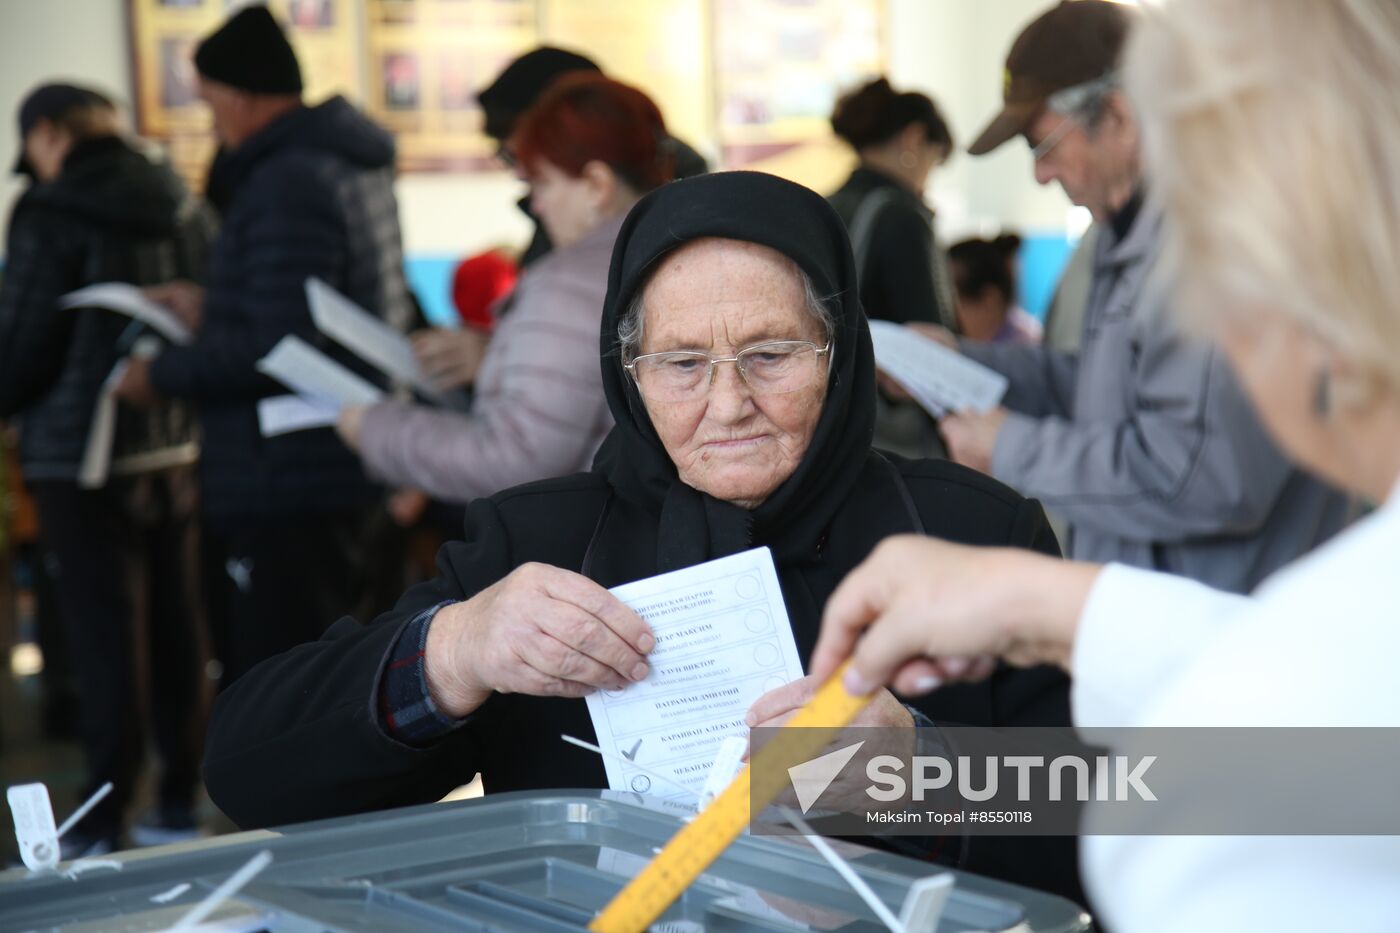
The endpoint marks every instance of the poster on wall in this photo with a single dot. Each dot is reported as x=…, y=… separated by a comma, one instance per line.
x=426, y=61
x=164, y=34
x=780, y=66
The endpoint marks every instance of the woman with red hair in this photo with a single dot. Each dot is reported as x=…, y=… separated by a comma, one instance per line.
x=590, y=148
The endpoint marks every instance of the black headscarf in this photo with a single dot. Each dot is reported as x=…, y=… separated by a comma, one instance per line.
x=798, y=223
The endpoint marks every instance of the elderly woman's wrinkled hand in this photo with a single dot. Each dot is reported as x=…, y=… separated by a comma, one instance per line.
x=884, y=712
x=541, y=631
x=938, y=612
x=780, y=704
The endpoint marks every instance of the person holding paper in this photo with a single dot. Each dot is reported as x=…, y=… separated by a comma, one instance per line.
x=304, y=191
x=738, y=368
x=99, y=209
x=1142, y=440
x=589, y=149
x=1304, y=299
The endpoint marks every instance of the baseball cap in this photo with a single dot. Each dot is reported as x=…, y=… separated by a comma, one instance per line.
x=1070, y=44
x=49, y=102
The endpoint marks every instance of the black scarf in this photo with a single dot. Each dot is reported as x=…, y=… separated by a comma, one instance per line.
x=693, y=526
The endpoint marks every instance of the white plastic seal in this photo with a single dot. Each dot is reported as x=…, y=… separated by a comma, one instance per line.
x=34, y=826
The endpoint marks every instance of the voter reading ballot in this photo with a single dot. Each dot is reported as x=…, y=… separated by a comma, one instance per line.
x=669, y=598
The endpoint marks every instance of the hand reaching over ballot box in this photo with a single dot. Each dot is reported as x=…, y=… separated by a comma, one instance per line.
x=541, y=631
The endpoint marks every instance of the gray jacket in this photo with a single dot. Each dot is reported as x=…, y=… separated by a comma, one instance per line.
x=1145, y=443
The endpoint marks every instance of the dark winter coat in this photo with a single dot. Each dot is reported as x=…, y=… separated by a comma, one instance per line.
x=309, y=195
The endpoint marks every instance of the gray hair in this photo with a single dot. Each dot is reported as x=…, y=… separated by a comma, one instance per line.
x=1086, y=102
x=629, y=329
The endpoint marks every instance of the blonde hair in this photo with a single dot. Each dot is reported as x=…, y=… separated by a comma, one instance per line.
x=86, y=121
x=1271, y=133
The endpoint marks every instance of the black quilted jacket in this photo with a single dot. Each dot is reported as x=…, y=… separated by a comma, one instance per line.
x=111, y=215
x=309, y=195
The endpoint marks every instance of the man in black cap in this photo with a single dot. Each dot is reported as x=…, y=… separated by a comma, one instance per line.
x=303, y=191
x=122, y=546
x=1142, y=440
x=515, y=91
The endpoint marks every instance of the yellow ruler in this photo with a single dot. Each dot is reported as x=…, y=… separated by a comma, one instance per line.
x=696, y=846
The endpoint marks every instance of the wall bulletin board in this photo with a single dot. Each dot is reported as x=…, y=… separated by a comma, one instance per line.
x=743, y=80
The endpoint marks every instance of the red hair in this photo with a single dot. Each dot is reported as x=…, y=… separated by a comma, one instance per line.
x=586, y=117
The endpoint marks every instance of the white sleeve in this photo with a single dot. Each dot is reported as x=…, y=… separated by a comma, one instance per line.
x=1137, y=631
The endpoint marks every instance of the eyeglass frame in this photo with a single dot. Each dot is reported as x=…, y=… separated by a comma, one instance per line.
x=1073, y=104
x=709, y=379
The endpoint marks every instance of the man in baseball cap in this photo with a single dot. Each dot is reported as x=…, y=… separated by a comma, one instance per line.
x=1142, y=441
x=1060, y=91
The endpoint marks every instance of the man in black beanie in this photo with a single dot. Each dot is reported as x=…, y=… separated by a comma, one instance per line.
x=303, y=191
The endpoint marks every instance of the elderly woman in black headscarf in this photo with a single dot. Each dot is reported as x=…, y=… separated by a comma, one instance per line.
x=739, y=369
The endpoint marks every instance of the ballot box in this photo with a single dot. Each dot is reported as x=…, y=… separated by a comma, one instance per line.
x=542, y=862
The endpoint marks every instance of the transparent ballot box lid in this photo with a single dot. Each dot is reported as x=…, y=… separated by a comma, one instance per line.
x=534, y=862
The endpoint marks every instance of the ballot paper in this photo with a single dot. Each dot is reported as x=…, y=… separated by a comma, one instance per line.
x=283, y=414
x=311, y=374
x=129, y=300
x=366, y=336
x=722, y=640
x=97, y=452
x=941, y=380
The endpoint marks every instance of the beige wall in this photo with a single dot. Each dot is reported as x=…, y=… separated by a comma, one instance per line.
x=951, y=49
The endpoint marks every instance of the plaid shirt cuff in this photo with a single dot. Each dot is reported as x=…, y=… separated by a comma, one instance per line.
x=406, y=709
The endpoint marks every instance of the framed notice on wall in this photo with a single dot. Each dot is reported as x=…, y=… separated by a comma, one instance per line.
x=426, y=60
x=164, y=33
x=781, y=64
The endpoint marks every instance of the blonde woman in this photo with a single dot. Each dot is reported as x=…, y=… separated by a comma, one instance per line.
x=1273, y=137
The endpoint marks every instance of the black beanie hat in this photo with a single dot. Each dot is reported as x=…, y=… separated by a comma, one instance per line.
x=250, y=52
x=516, y=89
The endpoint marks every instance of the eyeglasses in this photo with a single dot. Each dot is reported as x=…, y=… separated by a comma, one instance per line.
x=772, y=368
x=1042, y=149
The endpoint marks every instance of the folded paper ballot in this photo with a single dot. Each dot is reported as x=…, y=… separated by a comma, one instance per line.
x=366, y=336
x=283, y=414
x=129, y=300
x=941, y=380
x=311, y=374
x=723, y=639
